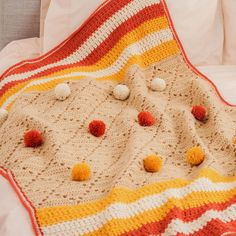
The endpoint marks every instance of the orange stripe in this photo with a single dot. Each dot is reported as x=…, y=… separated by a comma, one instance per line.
x=124, y=195
x=153, y=54
x=74, y=40
x=137, y=34
x=186, y=215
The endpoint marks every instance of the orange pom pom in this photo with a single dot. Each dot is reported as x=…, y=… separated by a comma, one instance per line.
x=81, y=172
x=146, y=119
x=97, y=128
x=199, y=112
x=195, y=156
x=33, y=138
x=152, y=163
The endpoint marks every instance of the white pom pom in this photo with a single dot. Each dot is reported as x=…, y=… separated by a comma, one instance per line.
x=62, y=91
x=3, y=115
x=121, y=92
x=158, y=84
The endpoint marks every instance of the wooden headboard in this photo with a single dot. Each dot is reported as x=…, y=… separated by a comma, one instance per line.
x=18, y=19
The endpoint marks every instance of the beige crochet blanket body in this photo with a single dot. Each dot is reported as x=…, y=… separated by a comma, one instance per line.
x=116, y=159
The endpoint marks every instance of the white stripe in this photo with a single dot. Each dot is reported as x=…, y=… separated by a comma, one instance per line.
x=178, y=226
x=94, y=41
x=137, y=48
x=123, y=211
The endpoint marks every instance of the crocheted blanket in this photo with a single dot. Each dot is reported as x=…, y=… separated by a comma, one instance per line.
x=114, y=132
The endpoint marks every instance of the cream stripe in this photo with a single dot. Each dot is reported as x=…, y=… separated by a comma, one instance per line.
x=98, y=36
x=123, y=211
x=137, y=48
x=178, y=226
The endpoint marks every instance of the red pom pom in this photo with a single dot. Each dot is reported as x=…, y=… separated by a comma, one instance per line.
x=146, y=119
x=33, y=138
x=199, y=112
x=97, y=128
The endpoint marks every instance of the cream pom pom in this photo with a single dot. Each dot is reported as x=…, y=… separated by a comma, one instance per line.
x=62, y=91
x=158, y=84
x=121, y=92
x=3, y=115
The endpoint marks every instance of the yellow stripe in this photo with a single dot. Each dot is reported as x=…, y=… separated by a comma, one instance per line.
x=131, y=37
x=148, y=58
x=108, y=59
x=134, y=36
x=193, y=200
x=153, y=56
x=123, y=195
x=215, y=177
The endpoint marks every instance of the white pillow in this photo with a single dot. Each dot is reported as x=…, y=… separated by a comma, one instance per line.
x=229, y=11
x=63, y=18
x=199, y=24
x=43, y=13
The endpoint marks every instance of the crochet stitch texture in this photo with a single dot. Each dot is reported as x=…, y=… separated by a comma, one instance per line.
x=127, y=42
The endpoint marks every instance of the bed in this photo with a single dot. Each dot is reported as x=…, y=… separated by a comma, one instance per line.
x=223, y=76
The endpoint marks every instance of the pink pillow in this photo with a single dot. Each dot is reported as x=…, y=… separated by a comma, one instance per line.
x=199, y=24
x=229, y=11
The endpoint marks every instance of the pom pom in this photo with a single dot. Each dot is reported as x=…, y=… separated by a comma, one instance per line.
x=195, y=156
x=234, y=140
x=62, y=91
x=199, y=112
x=33, y=138
x=97, y=128
x=81, y=172
x=152, y=163
x=146, y=119
x=158, y=84
x=3, y=116
x=121, y=92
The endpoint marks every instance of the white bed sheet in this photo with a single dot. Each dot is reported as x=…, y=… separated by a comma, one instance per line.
x=14, y=219
x=224, y=77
